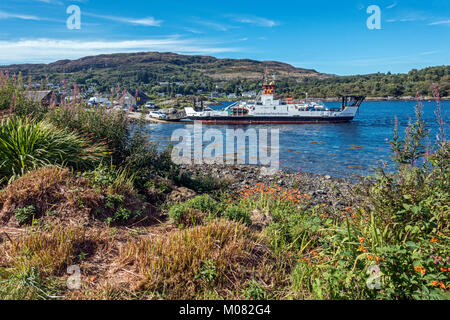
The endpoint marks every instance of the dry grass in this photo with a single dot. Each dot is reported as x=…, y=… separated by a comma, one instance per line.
x=174, y=266
x=57, y=195
x=49, y=251
x=49, y=189
x=34, y=261
x=211, y=261
x=159, y=262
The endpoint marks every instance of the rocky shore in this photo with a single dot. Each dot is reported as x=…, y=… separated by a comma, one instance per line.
x=336, y=192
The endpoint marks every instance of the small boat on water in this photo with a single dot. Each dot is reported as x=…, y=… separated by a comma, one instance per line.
x=265, y=109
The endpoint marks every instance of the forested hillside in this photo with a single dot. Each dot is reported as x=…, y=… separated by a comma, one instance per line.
x=171, y=73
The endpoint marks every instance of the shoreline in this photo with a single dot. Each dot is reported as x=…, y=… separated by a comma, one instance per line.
x=371, y=99
x=323, y=189
x=378, y=99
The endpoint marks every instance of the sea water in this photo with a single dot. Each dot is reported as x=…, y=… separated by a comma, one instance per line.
x=342, y=149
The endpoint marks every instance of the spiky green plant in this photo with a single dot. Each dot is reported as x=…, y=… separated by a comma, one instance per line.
x=26, y=145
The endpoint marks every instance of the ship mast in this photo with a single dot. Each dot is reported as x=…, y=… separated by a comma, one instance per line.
x=269, y=89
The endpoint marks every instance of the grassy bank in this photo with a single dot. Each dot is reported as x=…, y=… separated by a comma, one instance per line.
x=79, y=190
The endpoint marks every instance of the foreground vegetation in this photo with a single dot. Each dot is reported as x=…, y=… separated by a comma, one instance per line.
x=79, y=190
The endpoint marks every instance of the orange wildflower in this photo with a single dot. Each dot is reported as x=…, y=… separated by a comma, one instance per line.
x=433, y=240
x=420, y=269
x=362, y=249
x=443, y=269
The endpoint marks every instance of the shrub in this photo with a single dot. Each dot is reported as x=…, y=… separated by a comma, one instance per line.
x=194, y=210
x=25, y=214
x=182, y=214
x=207, y=271
x=116, y=180
x=26, y=145
x=254, y=290
x=99, y=125
x=204, y=203
x=206, y=183
x=396, y=245
x=415, y=199
x=145, y=161
x=238, y=214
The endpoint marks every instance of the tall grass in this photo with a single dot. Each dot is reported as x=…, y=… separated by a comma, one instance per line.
x=26, y=145
x=98, y=124
x=13, y=98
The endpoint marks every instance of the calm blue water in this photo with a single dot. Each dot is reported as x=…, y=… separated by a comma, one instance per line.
x=340, y=150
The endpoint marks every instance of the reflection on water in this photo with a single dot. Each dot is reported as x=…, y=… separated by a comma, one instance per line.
x=340, y=150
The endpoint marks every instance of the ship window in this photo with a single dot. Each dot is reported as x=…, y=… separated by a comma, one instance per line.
x=274, y=108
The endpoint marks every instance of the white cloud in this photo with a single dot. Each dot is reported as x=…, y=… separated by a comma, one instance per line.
x=48, y=50
x=51, y=1
x=148, y=21
x=440, y=22
x=213, y=25
x=427, y=53
x=257, y=21
x=7, y=15
x=392, y=5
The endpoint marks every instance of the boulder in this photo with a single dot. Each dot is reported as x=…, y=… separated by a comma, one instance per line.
x=260, y=219
x=181, y=194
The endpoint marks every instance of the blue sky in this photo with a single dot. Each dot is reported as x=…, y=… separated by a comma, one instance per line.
x=328, y=36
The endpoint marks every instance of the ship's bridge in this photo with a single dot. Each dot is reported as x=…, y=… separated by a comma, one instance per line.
x=267, y=98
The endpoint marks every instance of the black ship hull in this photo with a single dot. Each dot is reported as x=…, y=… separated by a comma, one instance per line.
x=269, y=119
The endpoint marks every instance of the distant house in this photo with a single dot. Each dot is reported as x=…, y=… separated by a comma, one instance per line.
x=141, y=98
x=133, y=98
x=94, y=101
x=215, y=94
x=249, y=94
x=45, y=97
x=232, y=95
x=161, y=94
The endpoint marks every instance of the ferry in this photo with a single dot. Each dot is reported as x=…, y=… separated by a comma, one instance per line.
x=266, y=109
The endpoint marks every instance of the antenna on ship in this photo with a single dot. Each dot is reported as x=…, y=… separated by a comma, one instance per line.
x=268, y=86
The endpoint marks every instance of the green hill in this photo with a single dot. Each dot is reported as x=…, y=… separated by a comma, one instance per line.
x=154, y=72
x=147, y=69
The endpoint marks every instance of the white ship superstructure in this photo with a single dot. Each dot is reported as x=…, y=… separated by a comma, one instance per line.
x=267, y=109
